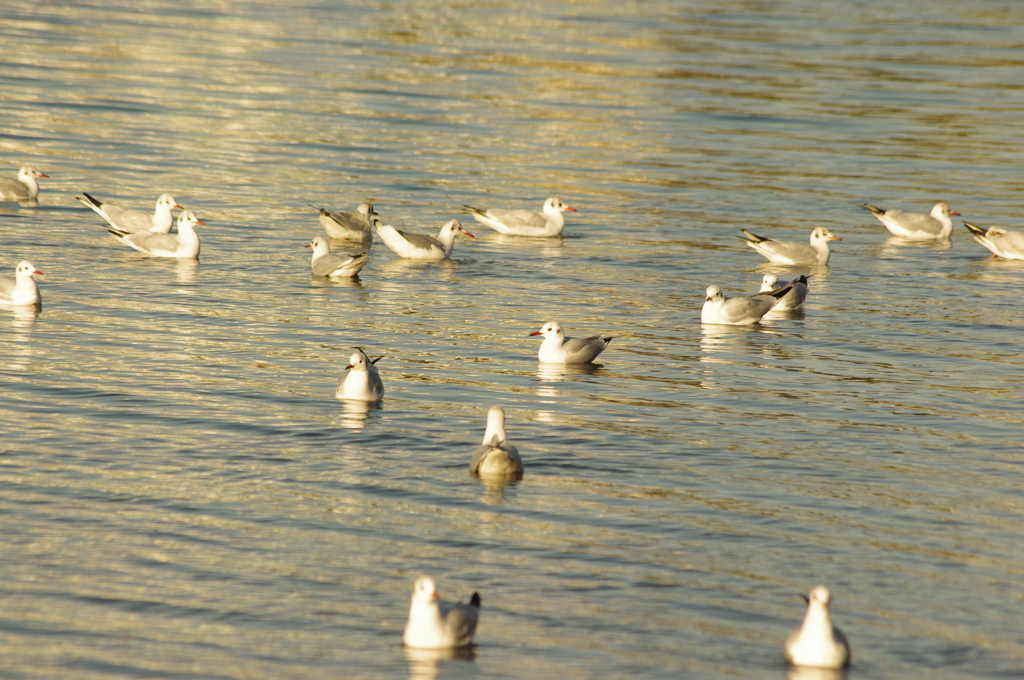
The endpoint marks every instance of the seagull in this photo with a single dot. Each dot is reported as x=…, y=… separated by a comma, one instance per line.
x=519, y=222
x=353, y=225
x=431, y=627
x=1002, y=242
x=915, y=225
x=496, y=457
x=794, y=299
x=20, y=289
x=136, y=221
x=362, y=382
x=184, y=244
x=817, y=642
x=739, y=311
x=558, y=349
x=24, y=189
x=420, y=246
x=792, y=253
x=326, y=263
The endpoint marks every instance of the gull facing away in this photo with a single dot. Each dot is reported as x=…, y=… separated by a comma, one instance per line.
x=432, y=627
x=519, y=222
x=816, y=641
x=421, y=246
x=791, y=252
x=1002, y=242
x=353, y=225
x=559, y=349
x=794, y=299
x=496, y=456
x=916, y=226
x=24, y=189
x=184, y=244
x=20, y=289
x=739, y=311
x=136, y=221
x=362, y=382
x=331, y=265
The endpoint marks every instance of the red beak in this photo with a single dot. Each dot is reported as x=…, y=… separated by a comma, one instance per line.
x=179, y=207
x=835, y=238
x=201, y=222
x=36, y=271
x=44, y=175
x=572, y=209
x=468, y=234
x=308, y=245
x=536, y=333
x=955, y=213
x=348, y=367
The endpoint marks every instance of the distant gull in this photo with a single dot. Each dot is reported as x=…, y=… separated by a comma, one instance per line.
x=559, y=349
x=135, y=221
x=520, y=222
x=916, y=226
x=794, y=299
x=362, y=382
x=432, y=627
x=817, y=642
x=25, y=189
x=332, y=265
x=353, y=225
x=790, y=252
x=496, y=456
x=20, y=289
x=421, y=246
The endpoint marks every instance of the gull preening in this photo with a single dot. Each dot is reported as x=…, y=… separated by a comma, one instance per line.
x=421, y=246
x=791, y=252
x=739, y=311
x=519, y=222
x=559, y=349
x=353, y=225
x=24, y=189
x=794, y=299
x=20, y=289
x=135, y=221
x=362, y=382
x=1002, y=242
x=331, y=265
x=496, y=456
x=916, y=226
x=184, y=244
x=432, y=627
x=817, y=642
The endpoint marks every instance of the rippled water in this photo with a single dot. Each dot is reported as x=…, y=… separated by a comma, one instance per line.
x=182, y=496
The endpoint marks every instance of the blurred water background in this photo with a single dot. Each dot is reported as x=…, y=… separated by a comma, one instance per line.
x=182, y=497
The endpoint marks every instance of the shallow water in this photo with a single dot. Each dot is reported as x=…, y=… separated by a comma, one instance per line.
x=183, y=497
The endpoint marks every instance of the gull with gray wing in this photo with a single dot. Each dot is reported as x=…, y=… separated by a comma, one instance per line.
x=557, y=348
x=496, y=456
x=916, y=226
x=431, y=626
x=135, y=221
x=332, y=265
x=790, y=252
x=519, y=222
x=24, y=189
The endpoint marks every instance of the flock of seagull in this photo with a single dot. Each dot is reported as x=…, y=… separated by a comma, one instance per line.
x=817, y=642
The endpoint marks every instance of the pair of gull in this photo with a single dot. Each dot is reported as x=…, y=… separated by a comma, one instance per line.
x=816, y=642
x=937, y=226
x=149, y=233
x=746, y=310
x=358, y=225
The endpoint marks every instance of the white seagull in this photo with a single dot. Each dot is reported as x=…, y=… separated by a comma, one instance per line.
x=739, y=311
x=326, y=263
x=136, y=221
x=431, y=627
x=184, y=244
x=420, y=246
x=353, y=225
x=916, y=225
x=791, y=252
x=817, y=642
x=24, y=189
x=362, y=383
x=519, y=222
x=20, y=289
x=496, y=456
x=559, y=349
x=1002, y=242
x=794, y=299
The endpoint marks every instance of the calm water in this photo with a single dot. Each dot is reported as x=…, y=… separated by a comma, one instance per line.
x=181, y=496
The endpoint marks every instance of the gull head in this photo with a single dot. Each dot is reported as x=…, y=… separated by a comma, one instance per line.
x=167, y=201
x=550, y=330
x=455, y=227
x=358, y=361
x=555, y=205
x=821, y=235
x=424, y=590
x=713, y=293
x=941, y=210
x=768, y=282
x=28, y=172
x=25, y=269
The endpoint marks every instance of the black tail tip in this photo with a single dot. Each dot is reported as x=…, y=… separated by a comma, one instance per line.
x=608, y=339
x=475, y=600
